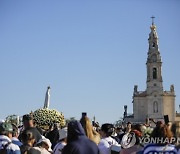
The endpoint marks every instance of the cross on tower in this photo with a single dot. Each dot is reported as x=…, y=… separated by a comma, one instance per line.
x=152, y=20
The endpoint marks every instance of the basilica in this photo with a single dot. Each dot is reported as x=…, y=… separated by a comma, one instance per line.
x=153, y=103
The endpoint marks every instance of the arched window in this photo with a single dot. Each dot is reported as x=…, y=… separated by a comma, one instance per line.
x=154, y=73
x=155, y=107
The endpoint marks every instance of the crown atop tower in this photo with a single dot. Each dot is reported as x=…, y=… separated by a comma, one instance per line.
x=152, y=20
x=153, y=27
x=153, y=38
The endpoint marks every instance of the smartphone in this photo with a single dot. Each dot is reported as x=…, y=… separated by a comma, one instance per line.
x=166, y=119
x=84, y=114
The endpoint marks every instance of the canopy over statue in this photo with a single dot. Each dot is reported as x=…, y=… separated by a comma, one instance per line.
x=47, y=98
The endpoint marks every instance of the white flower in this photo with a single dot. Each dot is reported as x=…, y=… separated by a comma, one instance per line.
x=45, y=117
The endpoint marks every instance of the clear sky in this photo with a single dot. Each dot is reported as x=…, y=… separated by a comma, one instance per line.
x=91, y=53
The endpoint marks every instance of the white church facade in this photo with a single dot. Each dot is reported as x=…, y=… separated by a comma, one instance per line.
x=154, y=102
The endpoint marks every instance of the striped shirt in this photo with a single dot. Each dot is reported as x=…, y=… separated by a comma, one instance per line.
x=159, y=149
x=11, y=148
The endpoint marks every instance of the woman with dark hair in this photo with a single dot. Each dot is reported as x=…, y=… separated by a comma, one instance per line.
x=107, y=141
x=28, y=141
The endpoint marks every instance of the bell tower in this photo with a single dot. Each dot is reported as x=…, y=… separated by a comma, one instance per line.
x=154, y=102
x=154, y=63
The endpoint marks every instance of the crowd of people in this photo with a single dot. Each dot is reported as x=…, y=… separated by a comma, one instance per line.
x=85, y=137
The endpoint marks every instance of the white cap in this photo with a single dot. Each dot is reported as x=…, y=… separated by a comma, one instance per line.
x=1, y=121
x=47, y=141
x=62, y=133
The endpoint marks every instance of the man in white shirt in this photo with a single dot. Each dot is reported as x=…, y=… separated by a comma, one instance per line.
x=107, y=141
x=62, y=141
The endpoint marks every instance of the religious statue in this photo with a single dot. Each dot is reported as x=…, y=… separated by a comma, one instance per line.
x=47, y=98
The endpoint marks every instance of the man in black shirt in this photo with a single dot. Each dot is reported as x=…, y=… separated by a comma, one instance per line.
x=29, y=126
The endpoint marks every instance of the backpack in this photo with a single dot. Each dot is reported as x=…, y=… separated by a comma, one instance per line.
x=4, y=149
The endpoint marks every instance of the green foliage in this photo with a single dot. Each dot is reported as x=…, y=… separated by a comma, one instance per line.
x=13, y=119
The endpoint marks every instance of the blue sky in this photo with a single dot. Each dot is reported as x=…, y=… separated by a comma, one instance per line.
x=91, y=53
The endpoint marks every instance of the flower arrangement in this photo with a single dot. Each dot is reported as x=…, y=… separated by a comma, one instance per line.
x=146, y=131
x=45, y=117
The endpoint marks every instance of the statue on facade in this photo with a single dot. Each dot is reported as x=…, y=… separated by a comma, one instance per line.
x=135, y=89
x=125, y=111
x=172, y=88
